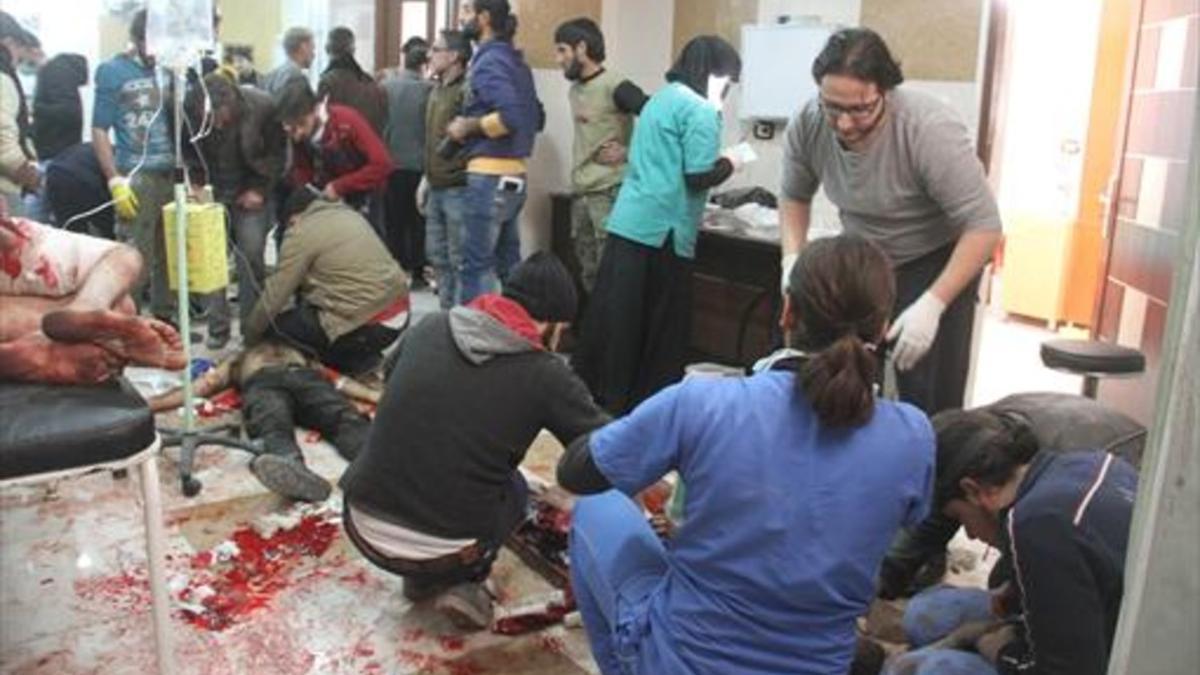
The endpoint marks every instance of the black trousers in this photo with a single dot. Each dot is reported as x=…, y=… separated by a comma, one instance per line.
x=405, y=226
x=509, y=516
x=353, y=353
x=278, y=399
x=638, y=324
x=938, y=381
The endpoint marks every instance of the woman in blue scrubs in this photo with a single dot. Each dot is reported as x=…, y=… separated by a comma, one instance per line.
x=798, y=477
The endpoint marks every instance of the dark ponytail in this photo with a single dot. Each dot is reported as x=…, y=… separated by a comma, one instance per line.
x=841, y=292
x=838, y=382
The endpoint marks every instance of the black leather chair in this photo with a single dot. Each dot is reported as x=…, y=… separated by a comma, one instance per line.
x=1093, y=360
x=48, y=433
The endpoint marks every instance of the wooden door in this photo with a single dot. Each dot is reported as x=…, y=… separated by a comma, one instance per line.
x=398, y=20
x=1143, y=230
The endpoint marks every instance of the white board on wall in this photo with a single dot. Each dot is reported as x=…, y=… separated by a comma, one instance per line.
x=777, y=68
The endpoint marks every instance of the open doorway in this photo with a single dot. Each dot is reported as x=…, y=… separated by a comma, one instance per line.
x=1050, y=137
x=1058, y=95
x=401, y=20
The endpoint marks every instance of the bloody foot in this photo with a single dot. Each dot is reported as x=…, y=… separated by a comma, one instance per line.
x=141, y=341
x=36, y=358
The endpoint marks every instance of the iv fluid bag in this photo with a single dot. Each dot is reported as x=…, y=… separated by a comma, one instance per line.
x=177, y=31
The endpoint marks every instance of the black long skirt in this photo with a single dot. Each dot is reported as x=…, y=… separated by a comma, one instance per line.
x=638, y=324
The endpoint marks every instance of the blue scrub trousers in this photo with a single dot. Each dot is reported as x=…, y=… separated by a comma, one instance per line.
x=932, y=615
x=617, y=563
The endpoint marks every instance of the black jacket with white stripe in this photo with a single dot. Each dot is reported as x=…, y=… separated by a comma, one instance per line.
x=1067, y=533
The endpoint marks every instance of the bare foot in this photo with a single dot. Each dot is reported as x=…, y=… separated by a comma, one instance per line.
x=141, y=341
x=36, y=358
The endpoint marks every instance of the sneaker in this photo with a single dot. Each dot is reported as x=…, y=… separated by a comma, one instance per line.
x=290, y=478
x=467, y=606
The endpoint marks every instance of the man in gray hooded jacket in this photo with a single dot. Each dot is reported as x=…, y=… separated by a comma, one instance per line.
x=436, y=491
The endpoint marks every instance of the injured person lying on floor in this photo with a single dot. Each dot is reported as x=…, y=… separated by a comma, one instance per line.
x=281, y=389
x=66, y=316
x=437, y=491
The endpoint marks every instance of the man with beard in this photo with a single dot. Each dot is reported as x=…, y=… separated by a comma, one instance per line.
x=436, y=491
x=501, y=116
x=900, y=167
x=603, y=105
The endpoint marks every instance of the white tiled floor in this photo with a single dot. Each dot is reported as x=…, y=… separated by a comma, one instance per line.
x=72, y=565
x=1009, y=360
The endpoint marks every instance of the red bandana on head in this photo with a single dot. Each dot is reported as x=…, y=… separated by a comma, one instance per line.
x=511, y=314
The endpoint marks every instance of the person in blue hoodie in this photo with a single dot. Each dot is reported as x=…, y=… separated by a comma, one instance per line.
x=500, y=117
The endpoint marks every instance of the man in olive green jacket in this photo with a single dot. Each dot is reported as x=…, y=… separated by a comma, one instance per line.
x=348, y=297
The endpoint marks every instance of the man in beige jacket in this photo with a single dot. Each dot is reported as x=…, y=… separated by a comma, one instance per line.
x=348, y=298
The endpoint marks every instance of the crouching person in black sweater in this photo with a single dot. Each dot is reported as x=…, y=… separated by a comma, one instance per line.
x=437, y=491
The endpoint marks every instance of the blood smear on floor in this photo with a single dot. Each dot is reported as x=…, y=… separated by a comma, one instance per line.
x=249, y=579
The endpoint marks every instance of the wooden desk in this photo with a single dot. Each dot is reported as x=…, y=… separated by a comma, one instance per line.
x=736, y=300
x=735, y=288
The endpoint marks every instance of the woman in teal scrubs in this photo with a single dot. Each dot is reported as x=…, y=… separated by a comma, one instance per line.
x=636, y=330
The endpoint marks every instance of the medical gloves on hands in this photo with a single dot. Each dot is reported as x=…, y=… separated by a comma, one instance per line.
x=915, y=329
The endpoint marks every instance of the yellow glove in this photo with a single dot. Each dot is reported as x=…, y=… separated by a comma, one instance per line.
x=124, y=199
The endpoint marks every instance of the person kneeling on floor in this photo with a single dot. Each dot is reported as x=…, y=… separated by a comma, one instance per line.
x=282, y=388
x=349, y=293
x=1063, y=520
x=437, y=490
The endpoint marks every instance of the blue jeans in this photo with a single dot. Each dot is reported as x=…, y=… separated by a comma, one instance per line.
x=443, y=240
x=617, y=562
x=249, y=231
x=491, y=243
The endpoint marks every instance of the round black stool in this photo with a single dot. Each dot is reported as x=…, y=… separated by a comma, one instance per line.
x=1093, y=360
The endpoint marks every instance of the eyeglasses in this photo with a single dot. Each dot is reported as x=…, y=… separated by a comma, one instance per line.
x=858, y=113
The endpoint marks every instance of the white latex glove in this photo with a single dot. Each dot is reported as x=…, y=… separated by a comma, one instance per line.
x=785, y=268
x=916, y=327
x=423, y=196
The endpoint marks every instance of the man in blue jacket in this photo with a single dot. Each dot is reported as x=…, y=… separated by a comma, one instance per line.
x=1062, y=518
x=500, y=117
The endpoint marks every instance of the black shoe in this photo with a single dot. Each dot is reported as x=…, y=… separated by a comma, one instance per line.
x=290, y=478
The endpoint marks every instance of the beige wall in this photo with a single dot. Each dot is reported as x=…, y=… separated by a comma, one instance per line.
x=114, y=36
x=933, y=39
x=712, y=17
x=258, y=23
x=538, y=19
